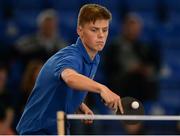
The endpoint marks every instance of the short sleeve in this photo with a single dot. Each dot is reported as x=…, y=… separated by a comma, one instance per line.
x=68, y=61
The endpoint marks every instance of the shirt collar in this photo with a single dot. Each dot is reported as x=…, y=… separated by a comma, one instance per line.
x=85, y=54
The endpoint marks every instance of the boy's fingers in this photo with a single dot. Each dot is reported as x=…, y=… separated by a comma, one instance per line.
x=121, y=107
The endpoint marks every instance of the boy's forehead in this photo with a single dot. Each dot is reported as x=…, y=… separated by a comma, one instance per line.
x=99, y=23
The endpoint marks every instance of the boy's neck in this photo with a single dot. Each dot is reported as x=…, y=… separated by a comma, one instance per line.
x=91, y=53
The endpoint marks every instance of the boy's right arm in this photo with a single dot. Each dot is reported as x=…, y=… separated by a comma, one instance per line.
x=80, y=82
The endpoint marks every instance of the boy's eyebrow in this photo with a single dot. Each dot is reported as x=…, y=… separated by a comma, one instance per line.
x=99, y=27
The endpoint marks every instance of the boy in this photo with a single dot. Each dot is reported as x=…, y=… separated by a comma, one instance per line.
x=66, y=77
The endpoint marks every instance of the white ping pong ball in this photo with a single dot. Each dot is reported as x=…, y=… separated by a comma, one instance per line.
x=135, y=105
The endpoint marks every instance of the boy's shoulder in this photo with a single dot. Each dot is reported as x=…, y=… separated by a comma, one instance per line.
x=71, y=50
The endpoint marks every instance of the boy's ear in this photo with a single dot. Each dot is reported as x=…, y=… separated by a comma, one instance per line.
x=79, y=30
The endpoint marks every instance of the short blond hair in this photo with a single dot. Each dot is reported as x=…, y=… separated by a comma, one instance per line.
x=92, y=12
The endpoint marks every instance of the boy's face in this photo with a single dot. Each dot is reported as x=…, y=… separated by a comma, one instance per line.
x=94, y=35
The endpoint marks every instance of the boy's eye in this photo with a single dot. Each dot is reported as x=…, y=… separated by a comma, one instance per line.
x=105, y=30
x=93, y=30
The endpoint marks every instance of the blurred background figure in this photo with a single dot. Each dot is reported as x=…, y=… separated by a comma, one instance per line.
x=40, y=44
x=29, y=77
x=6, y=102
x=45, y=42
x=6, y=119
x=131, y=64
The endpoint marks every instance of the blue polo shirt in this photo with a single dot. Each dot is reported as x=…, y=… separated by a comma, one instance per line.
x=51, y=94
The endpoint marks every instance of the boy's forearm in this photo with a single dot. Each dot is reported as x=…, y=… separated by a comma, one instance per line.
x=80, y=82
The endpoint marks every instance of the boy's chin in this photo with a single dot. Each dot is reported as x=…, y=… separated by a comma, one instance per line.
x=100, y=48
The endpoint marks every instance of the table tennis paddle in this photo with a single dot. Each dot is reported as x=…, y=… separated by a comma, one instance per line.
x=131, y=106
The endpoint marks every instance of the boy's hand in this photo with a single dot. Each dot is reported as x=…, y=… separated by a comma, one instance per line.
x=84, y=109
x=111, y=99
